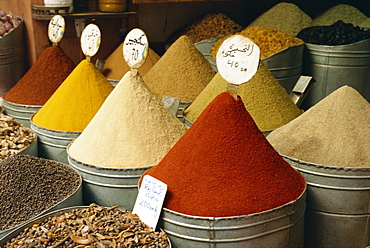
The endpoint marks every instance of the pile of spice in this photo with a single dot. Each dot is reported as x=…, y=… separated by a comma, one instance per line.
x=115, y=66
x=208, y=26
x=76, y=101
x=339, y=33
x=225, y=165
x=42, y=79
x=132, y=129
x=93, y=226
x=14, y=136
x=264, y=98
x=181, y=72
x=286, y=17
x=30, y=185
x=270, y=41
x=334, y=132
x=365, y=24
x=344, y=12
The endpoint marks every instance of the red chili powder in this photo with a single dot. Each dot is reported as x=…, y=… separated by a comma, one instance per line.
x=224, y=166
x=38, y=84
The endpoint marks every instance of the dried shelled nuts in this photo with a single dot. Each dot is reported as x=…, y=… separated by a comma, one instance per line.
x=13, y=136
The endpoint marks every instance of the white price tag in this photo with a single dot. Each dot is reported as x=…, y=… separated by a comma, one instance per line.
x=149, y=201
x=90, y=40
x=135, y=48
x=56, y=28
x=237, y=59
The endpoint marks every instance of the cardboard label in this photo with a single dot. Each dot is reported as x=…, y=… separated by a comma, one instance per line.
x=237, y=59
x=135, y=48
x=56, y=28
x=148, y=205
x=90, y=40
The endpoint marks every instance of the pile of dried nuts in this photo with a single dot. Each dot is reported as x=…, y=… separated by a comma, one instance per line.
x=93, y=226
x=14, y=136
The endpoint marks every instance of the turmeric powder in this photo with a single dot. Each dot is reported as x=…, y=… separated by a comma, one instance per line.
x=76, y=101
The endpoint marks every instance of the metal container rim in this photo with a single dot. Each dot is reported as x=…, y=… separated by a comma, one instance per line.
x=52, y=130
x=21, y=105
x=330, y=167
x=301, y=198
x=104, y=167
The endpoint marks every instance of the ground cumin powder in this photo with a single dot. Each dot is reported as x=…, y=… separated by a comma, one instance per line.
x=115, y=66
x=38, y=84
x=334, y=132
x=181, y=72
x=132, y=129
x=76, y=101
x=344, y=12
x=264, y=98
x=223, y=166
x=286, y=17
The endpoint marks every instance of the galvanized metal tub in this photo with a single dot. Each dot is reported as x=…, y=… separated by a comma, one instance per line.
x=14, y=233
x=204, y=47
x=113, y=81
x=21, y=113
x=285, y=66
x=75, y=198
x=52, y=144
x=335, y=66
x=278, y=227
x=108, y=186
x=338, y=204
x=12, y=58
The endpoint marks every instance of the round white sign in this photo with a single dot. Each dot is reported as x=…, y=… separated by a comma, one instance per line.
x=90, y=40
x=56, y=28
x=135, y=48
x=237, y=59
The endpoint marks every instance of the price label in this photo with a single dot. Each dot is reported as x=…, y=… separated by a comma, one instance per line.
x=90, y=40
x=237, y=59
x=149, y=201
x=56, y=28
x=135, y=48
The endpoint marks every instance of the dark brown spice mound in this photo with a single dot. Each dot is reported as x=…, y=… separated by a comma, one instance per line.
x=30, y=185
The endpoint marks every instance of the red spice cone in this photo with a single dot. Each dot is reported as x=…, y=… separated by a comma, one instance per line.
x=224, y=166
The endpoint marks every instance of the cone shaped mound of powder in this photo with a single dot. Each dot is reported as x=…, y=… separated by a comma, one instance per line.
x=334, y=132
x=115, y=66
x=76, y=101
x=132, y=129
x=344, y=12
x=286, y=17
x=223, y=166
x=40, y=82
x=264, y=98
x=181, y=72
